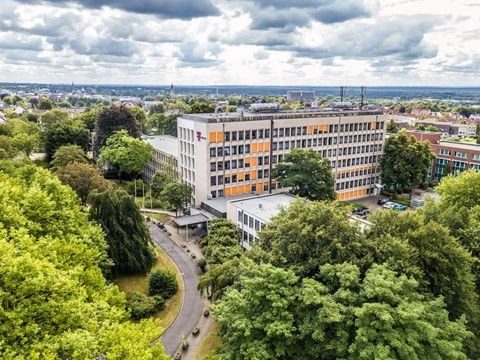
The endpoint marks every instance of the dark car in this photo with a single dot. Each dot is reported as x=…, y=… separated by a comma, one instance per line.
x=161, y=225
x=358, y=211
x=382, y=201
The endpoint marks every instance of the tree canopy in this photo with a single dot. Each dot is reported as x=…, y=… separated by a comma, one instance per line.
x=111, y=120
x=275, y=315
x=54, y=300
x=128, y=239
x=127, y=154
x=307, y=173
x=66, y=133
x=67, y=154
x=177, y=195
x=405, y=162
x=222, y=242
x=83, y=178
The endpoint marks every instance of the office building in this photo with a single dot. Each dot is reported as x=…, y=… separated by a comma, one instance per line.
x=451, y=157
x=165, y=156
x=224, y=155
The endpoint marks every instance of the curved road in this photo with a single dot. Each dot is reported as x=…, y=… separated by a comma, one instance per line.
x=192, y=307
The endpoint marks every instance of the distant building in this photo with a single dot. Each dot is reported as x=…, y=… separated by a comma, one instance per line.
x=251, y=214
x=451, y=157
x=165, y=156
x=300, y=95
x=173, y=93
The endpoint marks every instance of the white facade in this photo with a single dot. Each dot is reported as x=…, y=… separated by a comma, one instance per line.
x=224, y=155
x=253, y=213
x=165, y=156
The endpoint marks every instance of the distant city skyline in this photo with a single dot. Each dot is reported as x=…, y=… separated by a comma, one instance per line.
x=241, y=42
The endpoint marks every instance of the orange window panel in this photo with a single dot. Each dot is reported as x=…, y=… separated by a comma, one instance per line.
x=310, y=130
x=219, y=136
x=240, y=176
x=234, y=190
x=240, y=189
x=254, y=148
x=228, y=191
x=341, y=196
x=260, y=147
x=247, y=188
x=374, y=125
x=266, y=146
x=253, y=175
x=213, y=137
x=253, y=161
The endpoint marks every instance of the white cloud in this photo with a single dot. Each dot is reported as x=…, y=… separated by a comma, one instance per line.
x=303, y=42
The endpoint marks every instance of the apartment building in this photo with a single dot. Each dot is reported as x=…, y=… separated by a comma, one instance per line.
x=165, y=156
x=224, y=155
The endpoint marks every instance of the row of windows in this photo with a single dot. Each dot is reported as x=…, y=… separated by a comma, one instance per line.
x=459, y=154
x=249, y=221
x=238, y=178
x=186, y=134
x=297, y=131
x=356, y=173
x=219, y=193
x=286, y=145
x=356, y=183
x=187, y=148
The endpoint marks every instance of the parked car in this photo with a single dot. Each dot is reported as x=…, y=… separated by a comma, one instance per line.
x=389, y=205
x=161, y=225
x=360, y=210
x=399, y=207
x=382, y=201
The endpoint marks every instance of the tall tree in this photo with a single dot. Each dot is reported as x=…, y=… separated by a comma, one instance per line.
x=83, y=178
x=222, y=242
x=129, y=243
x=306, y=235
x=307, y=173
x=272, y=314
x=177, y=195
x=55, y=302
x=53, y=117
x=67, y=154
x=405, y=162
x=392, y=127
x=127, y=154
x=161, y=124
x=67, y=133
x=111, y=120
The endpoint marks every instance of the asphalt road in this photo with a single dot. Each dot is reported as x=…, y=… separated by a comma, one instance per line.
x=192, y=308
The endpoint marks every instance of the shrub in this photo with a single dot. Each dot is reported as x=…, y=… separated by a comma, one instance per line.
x=162, y=282
x=131, y=187
x=159, y=302
x=202, y=264
x=140, y=305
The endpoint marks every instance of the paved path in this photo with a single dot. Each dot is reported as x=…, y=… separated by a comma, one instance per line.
x=193, y=304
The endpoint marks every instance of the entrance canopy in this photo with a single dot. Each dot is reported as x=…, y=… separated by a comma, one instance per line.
x=190, y=220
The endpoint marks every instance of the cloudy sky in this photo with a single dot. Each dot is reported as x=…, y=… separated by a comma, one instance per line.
x=256, y=42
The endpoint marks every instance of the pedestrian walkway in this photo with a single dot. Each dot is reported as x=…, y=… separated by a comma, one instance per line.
x=193, y=304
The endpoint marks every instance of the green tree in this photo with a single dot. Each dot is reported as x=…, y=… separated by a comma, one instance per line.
x=222, y=242
x=67, y=154
x=177, y=195
x=276, y=315
x=431, y=128
x=45, y=104
x=127, y=154
x=54, y=117
x=129, y=243
x=55, y=302
x=88, y=118
x=24, y=134
x=392, y=127
x=405, y=162
x=161, y=124
x=83, y=178
x=111, y=120
x=306, y=235
x=160, y=180
x=307, y=173
x=162, y=282
x=67, y=133
x=139, y=115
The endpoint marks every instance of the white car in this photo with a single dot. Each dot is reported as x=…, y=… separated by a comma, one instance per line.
x=389, y=205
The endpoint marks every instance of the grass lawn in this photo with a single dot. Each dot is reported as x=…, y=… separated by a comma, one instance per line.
x=210, y=344
x=159, y=217
x=140, y=283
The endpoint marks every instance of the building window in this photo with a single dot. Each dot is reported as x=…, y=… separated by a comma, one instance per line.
x=460, y=154
x=213, y=166
x=257, y=225
x=213, y=180
x=245, y=219
x=240, y=216
x=250, y=222
x=213, y=152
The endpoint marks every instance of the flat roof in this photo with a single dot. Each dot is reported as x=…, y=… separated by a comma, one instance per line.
x=460, y=145
x=190, y=220
x=220, y=204
x=164, y=143
x=281, y=114
x=264, y=207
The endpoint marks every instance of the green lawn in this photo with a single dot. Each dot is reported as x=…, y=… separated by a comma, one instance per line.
x=210, y=345
x=140, y=283
x=159, y=217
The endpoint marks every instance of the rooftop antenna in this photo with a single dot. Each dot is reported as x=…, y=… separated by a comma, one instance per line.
x=363, y=90
x=343, y=92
